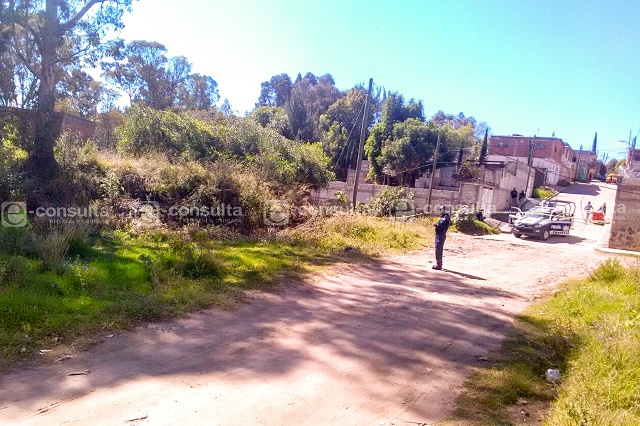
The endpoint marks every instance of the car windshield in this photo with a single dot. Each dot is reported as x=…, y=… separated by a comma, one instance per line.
x=531, y=213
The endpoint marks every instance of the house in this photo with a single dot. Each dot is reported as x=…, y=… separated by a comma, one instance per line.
x=552, y=156
x=586, y=165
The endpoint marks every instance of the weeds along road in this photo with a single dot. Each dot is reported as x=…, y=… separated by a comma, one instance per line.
x=389, y=343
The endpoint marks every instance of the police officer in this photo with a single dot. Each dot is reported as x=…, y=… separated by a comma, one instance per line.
x=442, y=225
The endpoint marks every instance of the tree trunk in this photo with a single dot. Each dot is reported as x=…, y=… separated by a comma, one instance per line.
x=42, y=164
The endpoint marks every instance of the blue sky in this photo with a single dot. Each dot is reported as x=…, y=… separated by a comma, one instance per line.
x=527, y=67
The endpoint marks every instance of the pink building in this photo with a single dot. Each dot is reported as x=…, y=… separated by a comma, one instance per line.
x=552, y=155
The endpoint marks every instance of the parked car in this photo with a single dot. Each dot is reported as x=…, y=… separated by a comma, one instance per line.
x=552, y=217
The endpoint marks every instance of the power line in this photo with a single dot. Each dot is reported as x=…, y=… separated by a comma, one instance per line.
x=349, y=142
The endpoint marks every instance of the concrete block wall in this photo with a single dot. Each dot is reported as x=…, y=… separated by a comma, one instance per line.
x=467, y=194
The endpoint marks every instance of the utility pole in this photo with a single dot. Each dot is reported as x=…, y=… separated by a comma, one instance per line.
x=530, y=163
x=367, y=106
x=433, y=172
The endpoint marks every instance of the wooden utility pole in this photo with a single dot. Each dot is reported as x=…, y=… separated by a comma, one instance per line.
x=433, y=173
x=532, y=146
x=363, y=133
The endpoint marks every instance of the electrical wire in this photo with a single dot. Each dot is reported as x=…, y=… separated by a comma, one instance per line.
x=353, y=126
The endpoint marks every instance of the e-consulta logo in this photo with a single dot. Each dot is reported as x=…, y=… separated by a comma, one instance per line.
x=14, y=214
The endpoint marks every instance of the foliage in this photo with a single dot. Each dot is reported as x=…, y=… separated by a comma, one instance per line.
x=80, y=172
x=411, y=146
x=146, y=130
x=543, y=193
x=12, y=157
x=472, y=226
x=106, y=125
x=384, y=201
x=49, y=39
x=341, y=126
x=304, y=101
x=465, y=221
x=272, y=117
x=145, y=73
x=612, y=165
x=80, y=94
x=183, y=135
x=469, y=172
x=275, y=92
x=485, y=146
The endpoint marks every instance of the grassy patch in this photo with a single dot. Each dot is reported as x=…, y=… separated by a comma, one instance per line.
x=475, y=227
x=58, y=288
x=590, y=330
x=541, y=192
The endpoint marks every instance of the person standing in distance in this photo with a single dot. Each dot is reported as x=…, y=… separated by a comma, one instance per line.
x=514, y=197
x=442, y=225
x=587, y=211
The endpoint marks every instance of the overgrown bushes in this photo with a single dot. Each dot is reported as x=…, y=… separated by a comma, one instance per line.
x=12, y=156
x=189, y=136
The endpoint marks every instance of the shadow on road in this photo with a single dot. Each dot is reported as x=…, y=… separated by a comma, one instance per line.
x=464, y=275
x=586, y=189
x=381, y=326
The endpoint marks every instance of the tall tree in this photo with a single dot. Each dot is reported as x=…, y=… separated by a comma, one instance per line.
x=146, y=74
x=60, y=32
x=485, y=146
x=341, y=125
x=199, y=92
x=275, y=92
x=79, y=94
x=595, y=143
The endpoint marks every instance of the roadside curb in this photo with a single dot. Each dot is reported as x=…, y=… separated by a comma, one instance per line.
x=618, y=251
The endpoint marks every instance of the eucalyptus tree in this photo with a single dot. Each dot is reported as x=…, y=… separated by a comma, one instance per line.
x=145, y=73
x=45, y=36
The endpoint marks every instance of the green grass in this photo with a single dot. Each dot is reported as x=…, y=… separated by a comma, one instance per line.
x=475, y=227
x=115, y=280
x=541, y=192
x=590, y=330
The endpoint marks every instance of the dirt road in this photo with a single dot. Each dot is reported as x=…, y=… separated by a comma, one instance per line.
x=383, y=344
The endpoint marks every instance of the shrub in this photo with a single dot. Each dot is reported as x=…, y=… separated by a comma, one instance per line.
x=469, y=172
x=12, y=157
x=541, y=192
x=464, y=219
x=145, y=130
x=385, y=200
x=52, y=248
x=191, y=136
x=81, y=174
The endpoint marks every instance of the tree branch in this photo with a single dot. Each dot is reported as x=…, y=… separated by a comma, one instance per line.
x=73, y=55
x=78, y=16
x=25, y=63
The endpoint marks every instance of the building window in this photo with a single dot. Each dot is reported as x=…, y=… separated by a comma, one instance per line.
x=502, y=144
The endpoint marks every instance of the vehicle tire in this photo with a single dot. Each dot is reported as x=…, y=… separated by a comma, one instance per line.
x=517, y=234
x=545, y=235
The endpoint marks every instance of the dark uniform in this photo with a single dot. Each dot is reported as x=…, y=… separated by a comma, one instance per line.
x=441, y=235
x=514, y=198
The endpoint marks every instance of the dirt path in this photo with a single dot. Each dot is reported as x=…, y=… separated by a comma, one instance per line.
x=385, y=344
